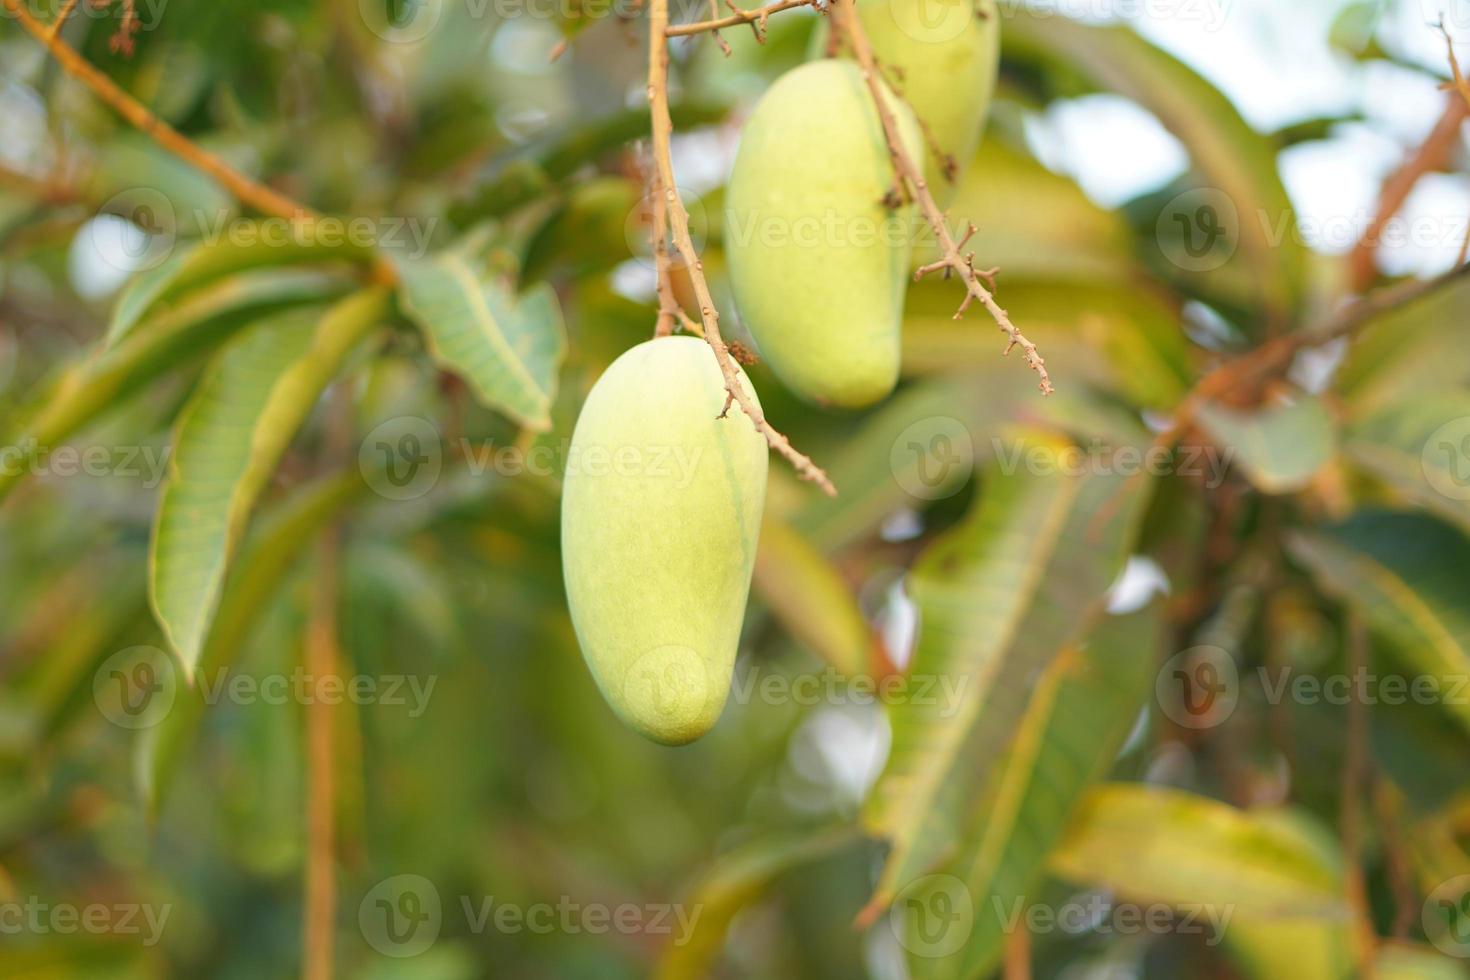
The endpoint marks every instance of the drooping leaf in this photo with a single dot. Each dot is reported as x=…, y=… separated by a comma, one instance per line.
x=732, y=883
x=256, y=576
x=1155, y=844
x=1406, y=574
x=228, y=442
x=507, y=348
x=236, y=247
x=1084, y=707
x=171, y=339
x=999, y=598
x=1420, y=448
x=810, y=598
x=1280, y=448
x=1407, y=350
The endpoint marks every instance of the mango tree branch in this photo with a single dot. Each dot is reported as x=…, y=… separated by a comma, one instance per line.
x=678, y=217
x=248, y=192
x=756, y=18
x=911, y=176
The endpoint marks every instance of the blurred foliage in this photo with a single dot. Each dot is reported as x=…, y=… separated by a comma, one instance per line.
x=188, y=405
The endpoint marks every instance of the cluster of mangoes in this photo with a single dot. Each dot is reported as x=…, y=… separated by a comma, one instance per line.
x=659, y=538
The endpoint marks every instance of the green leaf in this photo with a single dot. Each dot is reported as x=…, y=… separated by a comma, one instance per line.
x=1231, y=157
x=1084, y=707
x=507, y=349
x=1407, y=350
x=999, y=597
x=237, y=247
x=1155, y=844
x=171, y=339
x=1280, y=448
x=1406, y=574
x=1418, y=448
x=228, y=441
x=255, y=578
x=733, y=882
x=808, y=595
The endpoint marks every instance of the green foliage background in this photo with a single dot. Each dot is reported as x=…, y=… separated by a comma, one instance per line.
x=1066, y=771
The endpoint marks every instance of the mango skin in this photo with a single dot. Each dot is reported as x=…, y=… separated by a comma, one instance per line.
x=661, y=512
x=947, y=54
x=818, y=264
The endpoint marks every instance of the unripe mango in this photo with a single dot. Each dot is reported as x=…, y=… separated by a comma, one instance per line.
x=818, y=255
x=943, y=56
x=661, y=510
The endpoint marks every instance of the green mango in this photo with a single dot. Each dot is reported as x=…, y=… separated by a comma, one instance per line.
x=818, y=260
x=661, y=511
x=942, y=56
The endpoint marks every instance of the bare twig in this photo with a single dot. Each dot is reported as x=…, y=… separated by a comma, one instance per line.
x=1434, y=154
x=951, y=258
x=756, y=18
x=321, y=656
x=678, y=217
x=246, y=190
x=1351, y=818
x=60, y=21
x=1018, y=954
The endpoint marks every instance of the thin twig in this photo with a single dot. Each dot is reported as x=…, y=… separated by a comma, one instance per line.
x=321, y=887
x=756, y=18
x=60, y=21
x=1434, y=154
x=1018, y=954
x=1354, y=767
x=247, y=191
x=909, y=174
x=663, y=127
